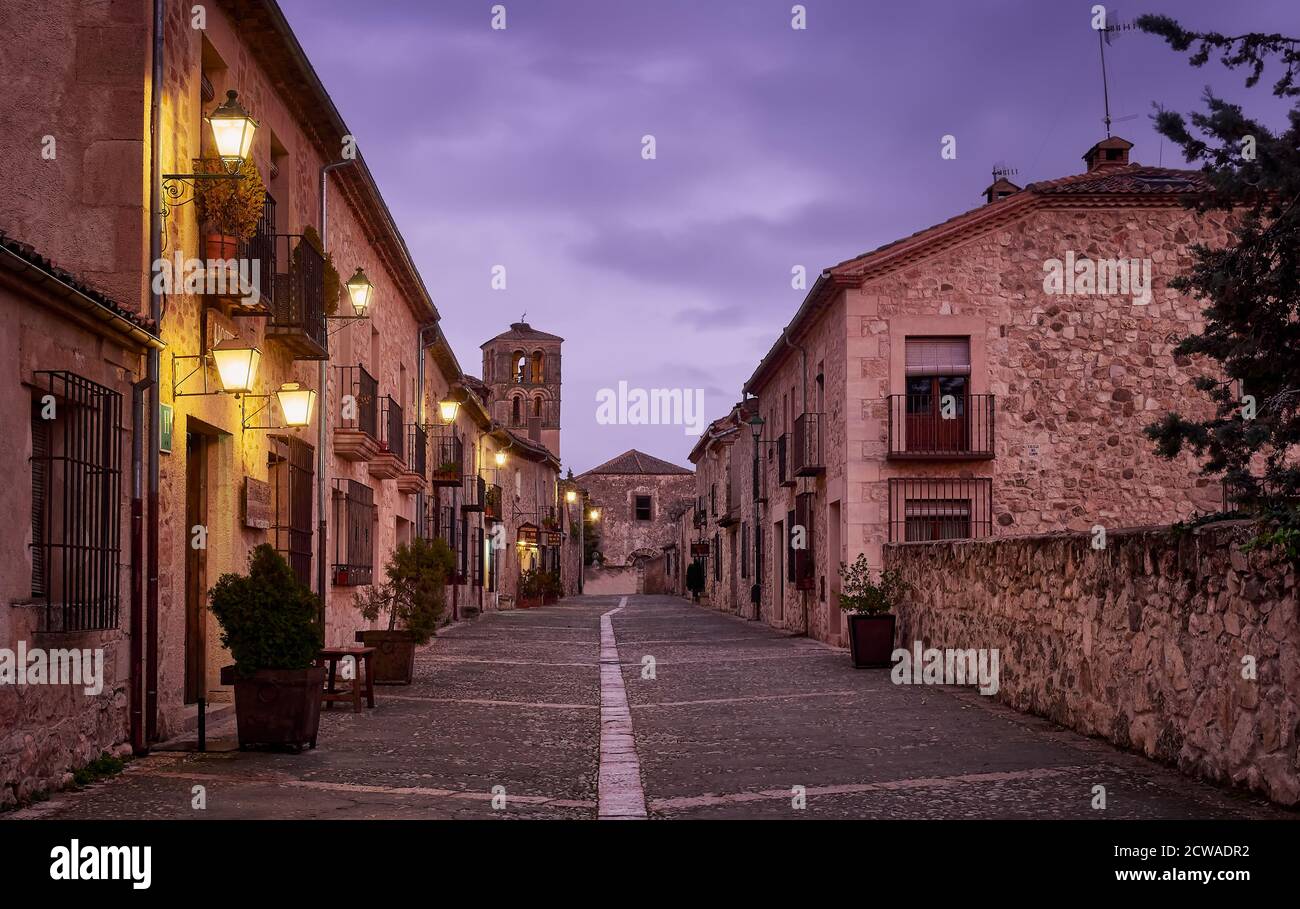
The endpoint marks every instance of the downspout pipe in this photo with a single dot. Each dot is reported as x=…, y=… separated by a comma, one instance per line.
x=322, y=417
x=136, y=674
x=152, y=397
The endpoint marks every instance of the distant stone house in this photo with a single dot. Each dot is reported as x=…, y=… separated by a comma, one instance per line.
x=990, y=375
x=638, y=496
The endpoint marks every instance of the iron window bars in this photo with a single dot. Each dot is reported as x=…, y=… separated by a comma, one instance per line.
x=925, y=509
x=354, y=521
x=76, y=502
x=291, y=473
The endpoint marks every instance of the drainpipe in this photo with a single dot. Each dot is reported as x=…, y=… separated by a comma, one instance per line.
x=322, y=418
x=803, y=353
x=152, y=396
x=138, y=390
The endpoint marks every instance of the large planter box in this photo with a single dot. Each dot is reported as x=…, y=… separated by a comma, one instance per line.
x=550, y=599
x=871, y=640
x=529, y=602
x=394, y=659
x=277, y=706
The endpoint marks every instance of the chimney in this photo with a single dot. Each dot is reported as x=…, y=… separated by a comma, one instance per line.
x=1109, y=152
x=1000, y=189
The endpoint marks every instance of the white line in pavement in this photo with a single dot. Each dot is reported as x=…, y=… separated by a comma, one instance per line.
x=748, y=699
x=619, y=793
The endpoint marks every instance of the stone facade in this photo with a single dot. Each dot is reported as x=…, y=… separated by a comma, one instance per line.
x=1146, y=642
x=632, y=543
x=523, y=373
x=1069, y=383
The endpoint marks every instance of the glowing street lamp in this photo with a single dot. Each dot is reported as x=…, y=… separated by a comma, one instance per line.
x=296, y=403
x=236, y=365
x=571, y=496
x=595, y=514
x=447, y=410
x=232, y=131
x=501, y=458
x=360, y=290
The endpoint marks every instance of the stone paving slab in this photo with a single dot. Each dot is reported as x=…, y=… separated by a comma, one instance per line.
x=736, y=717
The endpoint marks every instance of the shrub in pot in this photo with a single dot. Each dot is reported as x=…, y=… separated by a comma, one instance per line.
x=869, y=605
x=229, y=210
x=695, y=579
x=531, y=588
x=331, y=285
x=413, y=597
x=552, y=588
x=269, y=624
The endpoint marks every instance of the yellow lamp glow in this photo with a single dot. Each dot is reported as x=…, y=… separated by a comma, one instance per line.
x=571, y=496
x=360, y=290
x=595, y=514
x=501, y=459
x=236, y=365
x=296, y=403
x=232, y=130
x=447, y=410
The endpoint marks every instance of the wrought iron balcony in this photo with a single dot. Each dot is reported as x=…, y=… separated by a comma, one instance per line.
x=784, y=475
x=390, y=462
x=448, y=458
x=356, y=434
x=729, y=507
x=297, y=303
x=417, y=459
x=943, y=427
x=807, y=451
x=475, y=493
x=492, y=502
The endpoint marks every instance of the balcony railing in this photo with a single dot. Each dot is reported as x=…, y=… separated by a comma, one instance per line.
x=925, y=509
x=297, y=299
x=953, y=427
x=807, y=452
x=359, y=407
x=391, y=437
x=729, y=507
x=417, y=446
x=448, y=459
x=492, y=502
x=475, y=493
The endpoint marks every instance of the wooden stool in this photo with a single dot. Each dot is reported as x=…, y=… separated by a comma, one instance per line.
x=362, y=657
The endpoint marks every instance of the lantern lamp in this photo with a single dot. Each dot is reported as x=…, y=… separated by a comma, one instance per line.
x=360, y=290
x=236, y=365
x=571, y=496
x=447, y=410
x=296, y=403
x=501, y=458
x=232, y=131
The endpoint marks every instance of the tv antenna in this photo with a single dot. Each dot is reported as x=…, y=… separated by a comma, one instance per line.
x=1103, y=39
x=1001, y=171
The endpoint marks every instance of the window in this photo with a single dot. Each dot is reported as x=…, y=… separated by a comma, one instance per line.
x=537, y=407
x=800, y=542
x=717, y=557
x=515, y=407
x=537, y=367
x=354, y=521
x=477, y=577
x=290, y=472
x=923, y=509
x=76, y=501
x=521, y=367
x=643, y=508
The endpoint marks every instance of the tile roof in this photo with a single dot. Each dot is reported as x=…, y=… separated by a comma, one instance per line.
x=636, y=462
x=522, y=331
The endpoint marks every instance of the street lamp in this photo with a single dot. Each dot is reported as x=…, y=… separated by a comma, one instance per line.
x=360, y=290
x=756, y=590
x=571, y=496
x=296, y=403
x=500, y=458
x=447, y=410
x=236, y=365
x=232, y=131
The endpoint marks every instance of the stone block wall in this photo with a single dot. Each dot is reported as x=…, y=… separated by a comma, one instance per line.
x=1147, y=643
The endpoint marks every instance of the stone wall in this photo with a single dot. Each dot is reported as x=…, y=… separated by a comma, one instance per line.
x=1143, y=643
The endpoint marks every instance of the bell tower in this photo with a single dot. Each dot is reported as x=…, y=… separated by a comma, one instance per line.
x=521, y=368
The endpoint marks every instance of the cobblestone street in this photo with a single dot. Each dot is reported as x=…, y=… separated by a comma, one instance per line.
x=737, y=715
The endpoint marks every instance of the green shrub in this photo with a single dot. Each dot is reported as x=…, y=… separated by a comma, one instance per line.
x=859, y=594
x=268, y=618
x=100, y=768
x=415, y=594
x=231, y=208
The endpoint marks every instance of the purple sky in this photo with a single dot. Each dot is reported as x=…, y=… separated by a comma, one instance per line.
x=775, y=148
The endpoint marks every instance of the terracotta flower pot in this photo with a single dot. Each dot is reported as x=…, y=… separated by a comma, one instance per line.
x=871, y=640
x=526, y=602
x=220, y=246
x=277, y=706
x=394, y=659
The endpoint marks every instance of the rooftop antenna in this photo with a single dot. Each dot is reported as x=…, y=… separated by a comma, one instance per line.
x=1001, y=171
x=1103, y=39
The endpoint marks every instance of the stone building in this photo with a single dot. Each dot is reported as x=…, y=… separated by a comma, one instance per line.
x=959, y=384
x=638, y=497
x=90, y=216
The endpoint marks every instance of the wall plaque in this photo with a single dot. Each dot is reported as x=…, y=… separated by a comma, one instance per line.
x=258, y=510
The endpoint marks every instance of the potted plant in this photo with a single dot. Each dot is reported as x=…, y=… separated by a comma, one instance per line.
x=869, y=605
x=695, y=580
x=229, y=210
x=531, y=589
x=552, y=588
x=330, y=282
x=492, y=503
x=269, y=624
x=414, y=598
x=447, y=470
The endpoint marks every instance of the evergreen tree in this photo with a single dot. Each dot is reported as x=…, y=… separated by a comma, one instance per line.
x=1250, y=288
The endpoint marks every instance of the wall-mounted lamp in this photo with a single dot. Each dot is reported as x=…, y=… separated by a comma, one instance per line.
x=447, y=410
x=361, y=293
x=232, y=133
x=571, y=496
x=500, y=457
x=236, y=363
x=296, y=406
